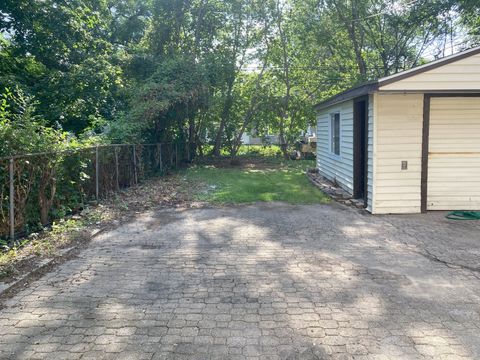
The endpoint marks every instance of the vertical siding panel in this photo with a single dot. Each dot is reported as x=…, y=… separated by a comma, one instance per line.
x=336, y=168
x=398, y=137
x=370, y=138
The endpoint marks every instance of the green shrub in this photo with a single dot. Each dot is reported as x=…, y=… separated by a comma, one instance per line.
x=48, y=185
x=260, y=150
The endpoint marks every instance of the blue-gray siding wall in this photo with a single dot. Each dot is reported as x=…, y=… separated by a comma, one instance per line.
x=336, y=168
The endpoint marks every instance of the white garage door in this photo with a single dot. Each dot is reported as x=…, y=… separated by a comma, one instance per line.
x=454, y=154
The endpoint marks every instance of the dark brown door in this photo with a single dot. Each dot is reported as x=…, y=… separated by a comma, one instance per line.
x=360, y=148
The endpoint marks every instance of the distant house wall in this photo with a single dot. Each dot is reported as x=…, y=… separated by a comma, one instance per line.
x=398, y=137
x=245, y=139
x=252, y=140
x=333, y=167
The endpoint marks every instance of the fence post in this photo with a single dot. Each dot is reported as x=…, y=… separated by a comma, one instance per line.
x=116, y=168
x=160, y=157
x=176, y=155
x=12, y=202
x=135, y=177
x=97, y=174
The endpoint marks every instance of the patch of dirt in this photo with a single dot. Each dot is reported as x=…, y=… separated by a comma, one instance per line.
x=29, y=257
x=162, y=192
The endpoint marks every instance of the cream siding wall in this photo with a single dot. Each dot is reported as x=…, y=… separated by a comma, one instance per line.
x=454, y=154
x=336, y=168
x=398, y=137
x=370, y=158
x=463, y=74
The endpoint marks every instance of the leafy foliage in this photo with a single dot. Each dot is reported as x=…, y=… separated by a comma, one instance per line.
x=37, y=179
x=175, y=90
x=210, y=70
x=22, y=131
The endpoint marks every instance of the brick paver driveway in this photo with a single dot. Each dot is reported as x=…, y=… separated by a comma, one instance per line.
x=262, y=281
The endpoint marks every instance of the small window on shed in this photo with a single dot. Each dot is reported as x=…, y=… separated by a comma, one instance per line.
x=335, y=134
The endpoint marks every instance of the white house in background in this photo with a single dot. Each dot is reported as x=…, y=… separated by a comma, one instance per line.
x=252, y=139
x=249, y=139
x=410, y=142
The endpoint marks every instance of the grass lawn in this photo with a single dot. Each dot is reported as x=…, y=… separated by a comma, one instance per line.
x=274, y=180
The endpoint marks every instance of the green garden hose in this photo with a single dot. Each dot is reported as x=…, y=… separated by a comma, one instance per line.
x=464, y=215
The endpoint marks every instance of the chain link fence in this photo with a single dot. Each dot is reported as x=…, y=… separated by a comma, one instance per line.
x=36, y=189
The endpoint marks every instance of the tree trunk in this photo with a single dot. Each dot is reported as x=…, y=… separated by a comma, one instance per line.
x=350, y=24
x=286, y=74
x=191, y=146
x=283, y=146
x=46, y=201
x=225, y=117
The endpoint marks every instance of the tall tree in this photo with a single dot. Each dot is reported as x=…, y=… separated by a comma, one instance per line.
x=76, y=77
x=209, y=70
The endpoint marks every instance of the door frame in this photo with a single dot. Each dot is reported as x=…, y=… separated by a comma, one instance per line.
x=360, y=154
x=426, y=140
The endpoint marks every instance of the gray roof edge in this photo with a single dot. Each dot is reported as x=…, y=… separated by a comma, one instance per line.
x=360, y=90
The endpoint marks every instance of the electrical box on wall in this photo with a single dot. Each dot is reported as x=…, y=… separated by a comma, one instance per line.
x=404, y=165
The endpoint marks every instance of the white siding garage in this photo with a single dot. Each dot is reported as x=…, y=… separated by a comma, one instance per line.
x=420, y=147
x=454, y=154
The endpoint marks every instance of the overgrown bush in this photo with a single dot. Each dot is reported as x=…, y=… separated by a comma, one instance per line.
x=249, y=150
x=46, y=186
